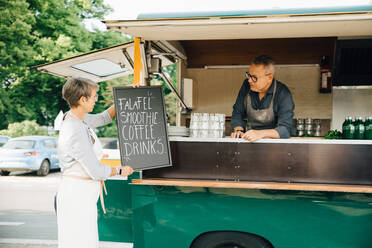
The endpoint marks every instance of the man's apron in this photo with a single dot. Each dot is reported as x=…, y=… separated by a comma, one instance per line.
x=261, y=118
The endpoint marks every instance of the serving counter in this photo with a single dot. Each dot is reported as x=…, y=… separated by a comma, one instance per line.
x=289, y=164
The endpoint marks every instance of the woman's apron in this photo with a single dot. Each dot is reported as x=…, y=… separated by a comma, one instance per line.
x=77, y=208
x=260, y=118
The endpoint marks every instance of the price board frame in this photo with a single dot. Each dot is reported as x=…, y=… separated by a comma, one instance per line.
x=137, y=163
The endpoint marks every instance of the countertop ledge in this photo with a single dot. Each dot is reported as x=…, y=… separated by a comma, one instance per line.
x=293, y=140
x=255, y=185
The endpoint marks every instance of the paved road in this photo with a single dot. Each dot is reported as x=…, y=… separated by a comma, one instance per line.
x=7, y=245
x=28, y=192
x=28, y=224
x=27, y=218
x=26, y=209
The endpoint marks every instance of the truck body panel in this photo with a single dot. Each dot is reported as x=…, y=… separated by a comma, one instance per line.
x=172, y=216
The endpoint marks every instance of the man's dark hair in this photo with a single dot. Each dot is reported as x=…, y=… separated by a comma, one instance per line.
x=263, y=60
x=266, y=61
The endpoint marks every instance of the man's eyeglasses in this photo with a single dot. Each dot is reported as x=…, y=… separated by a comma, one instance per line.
x=254, y=78
x=249, y=76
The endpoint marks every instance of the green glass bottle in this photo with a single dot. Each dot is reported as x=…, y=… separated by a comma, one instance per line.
x=359, y=128
x=368, y=128
x=348, y=128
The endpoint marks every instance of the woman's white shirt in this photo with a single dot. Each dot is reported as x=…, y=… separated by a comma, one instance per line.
x=76, y=150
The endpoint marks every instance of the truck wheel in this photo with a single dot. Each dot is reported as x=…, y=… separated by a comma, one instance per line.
x=4, y=173
x=230, y=240
x=44, y=168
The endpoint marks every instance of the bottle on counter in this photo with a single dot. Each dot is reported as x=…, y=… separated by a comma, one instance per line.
x=359, y=128
x=325, y=75
x=368, y=128
x=309, y=127
x=348, y=128
x=300, y=127
x=317, y=127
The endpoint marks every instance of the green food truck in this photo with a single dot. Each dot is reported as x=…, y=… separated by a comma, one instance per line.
x=224, y=192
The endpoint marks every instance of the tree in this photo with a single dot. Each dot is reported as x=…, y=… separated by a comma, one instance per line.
x=16, y=22
x=34, y=32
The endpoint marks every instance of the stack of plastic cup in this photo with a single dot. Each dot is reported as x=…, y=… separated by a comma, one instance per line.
x=195, y=125
x=213, y=126
x=204, y=125
x=221, y=123
x=204, y=130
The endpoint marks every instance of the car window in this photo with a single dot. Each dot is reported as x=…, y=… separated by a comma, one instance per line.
x=20, y=144
x=111, y=145
x=50, y=143
x=3, y=140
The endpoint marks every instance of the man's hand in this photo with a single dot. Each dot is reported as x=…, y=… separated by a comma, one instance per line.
x=253, y=135
x=237, y=134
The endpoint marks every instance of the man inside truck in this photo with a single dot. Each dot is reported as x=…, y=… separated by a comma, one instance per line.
x=265, y=102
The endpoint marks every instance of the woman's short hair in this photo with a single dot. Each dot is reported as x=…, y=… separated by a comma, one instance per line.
x=75, y=88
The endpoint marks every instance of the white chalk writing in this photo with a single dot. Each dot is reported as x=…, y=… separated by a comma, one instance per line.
x=138, y=129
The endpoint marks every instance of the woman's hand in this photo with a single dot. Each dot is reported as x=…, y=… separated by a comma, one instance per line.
x=114, y=171
x=111, y=111
x=126, y=171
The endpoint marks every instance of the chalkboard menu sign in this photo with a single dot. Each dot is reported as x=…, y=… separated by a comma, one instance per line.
x=142, y=127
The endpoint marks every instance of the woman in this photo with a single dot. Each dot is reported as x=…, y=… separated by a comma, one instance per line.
x=79, y=152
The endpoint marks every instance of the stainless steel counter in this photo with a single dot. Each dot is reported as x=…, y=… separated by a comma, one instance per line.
x=269, y=160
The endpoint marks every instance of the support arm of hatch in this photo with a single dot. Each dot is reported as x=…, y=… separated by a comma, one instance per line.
x=174, y=91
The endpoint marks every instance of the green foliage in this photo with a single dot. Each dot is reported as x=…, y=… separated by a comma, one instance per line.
x=170, y=99
x=110, y=131
x=24, y=128
x=170, y=102
x=106, y=99
x=171, y=72
x=16, y=22
x=34, y=32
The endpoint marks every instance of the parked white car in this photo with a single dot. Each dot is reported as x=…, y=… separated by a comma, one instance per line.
x=3, y=140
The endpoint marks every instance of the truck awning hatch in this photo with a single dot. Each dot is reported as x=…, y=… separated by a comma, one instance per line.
x=99, y=65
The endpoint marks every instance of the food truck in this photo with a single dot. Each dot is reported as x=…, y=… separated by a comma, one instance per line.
x=224, y=192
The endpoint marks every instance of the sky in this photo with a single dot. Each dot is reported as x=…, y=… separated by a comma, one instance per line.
x=129, y=10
